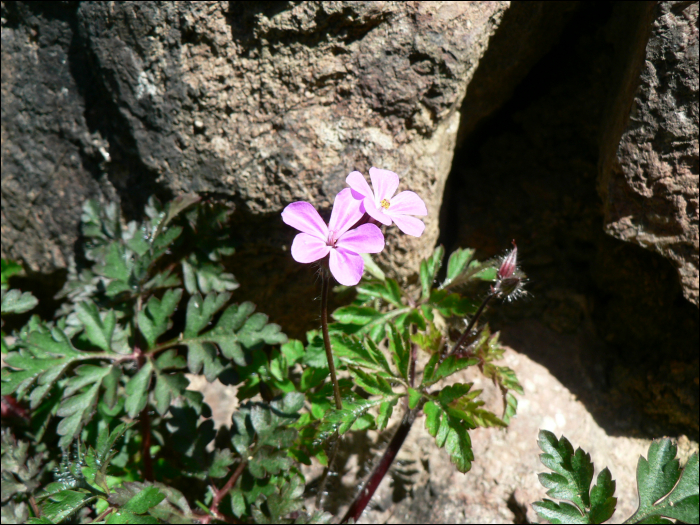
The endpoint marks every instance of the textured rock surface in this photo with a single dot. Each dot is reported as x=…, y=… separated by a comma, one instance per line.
x=649, y=163
x=531, y=173
x=265, y=103
x=48, y=154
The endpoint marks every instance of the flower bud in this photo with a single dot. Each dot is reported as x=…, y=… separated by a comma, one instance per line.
x=509, y=264
x=509, y=279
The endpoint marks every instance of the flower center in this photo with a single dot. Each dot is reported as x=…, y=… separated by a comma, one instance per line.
x=384, y=204
x=332, y=238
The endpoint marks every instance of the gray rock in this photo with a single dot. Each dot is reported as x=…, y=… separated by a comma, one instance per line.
x=649, y=158
x=264, y=103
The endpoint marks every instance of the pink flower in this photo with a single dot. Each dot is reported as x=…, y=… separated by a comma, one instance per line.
x=383, y=206
x=337, y=239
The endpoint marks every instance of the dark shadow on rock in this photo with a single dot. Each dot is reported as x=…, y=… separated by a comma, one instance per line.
x=608, y=318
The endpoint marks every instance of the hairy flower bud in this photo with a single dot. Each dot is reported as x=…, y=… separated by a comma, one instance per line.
x=509, y=264
x=509, y=279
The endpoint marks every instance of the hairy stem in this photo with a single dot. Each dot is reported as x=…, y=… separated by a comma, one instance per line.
x=363, y=498
x=469, y=328
x=327, y=339
x=146, y=445
x=221, y=494
x=321, y=492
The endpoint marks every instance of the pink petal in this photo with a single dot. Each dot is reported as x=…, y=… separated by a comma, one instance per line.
x=304, y=217
x=376, y=212
x=407, y=203
x=308, y=248
x=363, y=239
x=346, y=266
x=385, y=183
x=409, y=225
x=359, y=185
x=346, y=212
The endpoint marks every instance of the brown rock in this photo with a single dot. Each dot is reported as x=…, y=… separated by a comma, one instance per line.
x=264, y=103
x=649, y=158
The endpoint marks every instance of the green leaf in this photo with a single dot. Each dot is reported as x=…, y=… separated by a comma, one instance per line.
x=385, y=411
x=449, y=366
x=451, y=305
x=451, y=433
x=154, y=319
x=169, y=359
x=372, y=268
x=43, y=360
x=571, y=480
x=559, y=513
x=8, y=268
x=61, y=505
x=342, y=420
x=430, y=339
x=388, y=290
x=160, y=220
x=128, y=517
x=365, y=353
x=16, y=302
x=400, y=347
x=238, y=328
x=414, y=396
x=200, y=311
x=170, y=510
x=602, y=501
x=98, y=328
x=117, y=265
x=457, y=264
x=365, y=320
x=137, y=390
x=573, y=471
x=429, y=269
x=164, y=279
x=486, y=274
x=106, y=442
x=168, y=388
x=221, y=462
x=661, y=492
x=464, y=270
x=206, y=277
x=144, y=500
x=293, y=350
x=374, y=384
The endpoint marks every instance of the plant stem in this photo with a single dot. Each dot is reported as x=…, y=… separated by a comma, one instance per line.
x=365, y=495
x=146, y=445
x=220, y=494
x=327, y=339
x=466, y=333
x=363, y=498
x=321, y=492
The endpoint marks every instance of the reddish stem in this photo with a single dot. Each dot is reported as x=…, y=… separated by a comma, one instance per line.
x=221, y=493
x=363, y=498
x=146, y=445
x=466, y=333
x=145, y=427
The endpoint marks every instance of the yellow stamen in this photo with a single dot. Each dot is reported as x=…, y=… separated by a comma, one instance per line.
x=384, y=204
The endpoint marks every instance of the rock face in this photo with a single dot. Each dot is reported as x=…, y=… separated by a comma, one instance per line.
x=265, y=103
x=649, y=162
x=532, y=172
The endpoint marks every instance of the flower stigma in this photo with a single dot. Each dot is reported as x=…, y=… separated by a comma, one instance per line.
x=332, y=238
x=384, y=204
